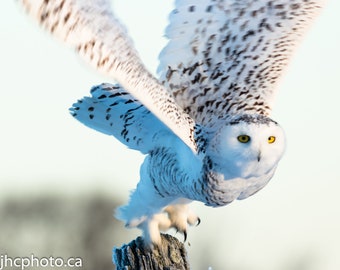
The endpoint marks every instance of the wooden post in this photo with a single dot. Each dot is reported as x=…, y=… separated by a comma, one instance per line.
x=137, y=255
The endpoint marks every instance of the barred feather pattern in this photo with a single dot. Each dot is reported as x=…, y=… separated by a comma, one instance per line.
x=171, y=180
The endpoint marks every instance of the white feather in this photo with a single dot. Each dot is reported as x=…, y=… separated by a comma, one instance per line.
x=225, y=57
x=92, y=29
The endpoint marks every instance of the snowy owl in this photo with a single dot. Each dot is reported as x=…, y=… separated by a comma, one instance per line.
x=205, y=124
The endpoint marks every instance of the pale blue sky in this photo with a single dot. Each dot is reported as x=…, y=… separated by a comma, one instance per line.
x=296, y=216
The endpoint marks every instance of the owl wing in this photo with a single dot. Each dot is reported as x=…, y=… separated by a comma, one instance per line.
x=92, y=29
x=113, y=111
x=225, y=57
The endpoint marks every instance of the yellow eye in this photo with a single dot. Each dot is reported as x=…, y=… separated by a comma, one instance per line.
x=271, y=139
x=243, y=138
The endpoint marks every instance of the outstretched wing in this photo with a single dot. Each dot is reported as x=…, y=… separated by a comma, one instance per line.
x=225, y=57
x=92, y=29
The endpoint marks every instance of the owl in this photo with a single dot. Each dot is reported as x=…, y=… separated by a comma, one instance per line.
x=205, y=123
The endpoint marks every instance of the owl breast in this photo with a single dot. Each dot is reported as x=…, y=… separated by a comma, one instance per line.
x=219, y=191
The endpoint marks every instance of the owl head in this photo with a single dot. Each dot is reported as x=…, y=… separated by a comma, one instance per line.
x=246, y=146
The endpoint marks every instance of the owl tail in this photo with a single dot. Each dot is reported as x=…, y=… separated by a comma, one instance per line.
x=113, y=111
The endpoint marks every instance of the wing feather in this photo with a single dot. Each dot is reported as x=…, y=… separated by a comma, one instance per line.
x=224, y=57
x=93, y=30
x=113, y=111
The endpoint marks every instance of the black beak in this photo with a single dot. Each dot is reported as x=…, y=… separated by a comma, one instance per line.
x=259, y=157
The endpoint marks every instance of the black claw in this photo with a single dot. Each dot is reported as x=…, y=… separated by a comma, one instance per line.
x=185, y=235
x=198, y=221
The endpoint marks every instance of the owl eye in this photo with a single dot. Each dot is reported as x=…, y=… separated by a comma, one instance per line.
x=271, y=139
x=243, y=138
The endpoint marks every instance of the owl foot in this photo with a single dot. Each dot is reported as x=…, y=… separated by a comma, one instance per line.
x=180, y=215
x=176, y=216
x=152, y=227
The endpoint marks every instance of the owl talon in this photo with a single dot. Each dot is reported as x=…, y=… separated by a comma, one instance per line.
x=198, y=221
x=185, y=235
x=184, y=232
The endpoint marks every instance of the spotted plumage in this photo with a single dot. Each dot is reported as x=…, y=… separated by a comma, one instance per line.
x=113, y=111
x=205, y=124
x=225, y=57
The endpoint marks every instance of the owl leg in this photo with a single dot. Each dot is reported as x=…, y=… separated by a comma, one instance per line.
x=153, y=211
x=152, y=227
x=145, y=211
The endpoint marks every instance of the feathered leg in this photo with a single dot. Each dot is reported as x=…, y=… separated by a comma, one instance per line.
x=152, y=212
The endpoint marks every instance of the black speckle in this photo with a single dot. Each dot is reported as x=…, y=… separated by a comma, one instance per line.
x=117, y=95
x=200, y=109
x=66, y=18
x=44, y=16
x=191, y=8
x=90, y=109
x=279, y=6
x=102, y=96
x=248, y=34
x=295, y=6
x=91, y=116
x=108, y=116
x=128, y=101
x=94, y=89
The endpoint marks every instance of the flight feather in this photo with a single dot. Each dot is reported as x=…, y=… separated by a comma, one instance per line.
x=225, y=57
x=92, y=29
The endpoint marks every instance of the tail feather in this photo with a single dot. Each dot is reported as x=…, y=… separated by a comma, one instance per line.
x=113, y=111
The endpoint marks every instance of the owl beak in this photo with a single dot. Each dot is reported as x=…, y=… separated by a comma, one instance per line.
x=259, y=157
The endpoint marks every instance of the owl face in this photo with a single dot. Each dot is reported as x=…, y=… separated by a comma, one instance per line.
x=248, y=148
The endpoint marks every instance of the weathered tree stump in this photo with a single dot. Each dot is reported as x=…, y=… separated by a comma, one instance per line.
x=136, y=255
